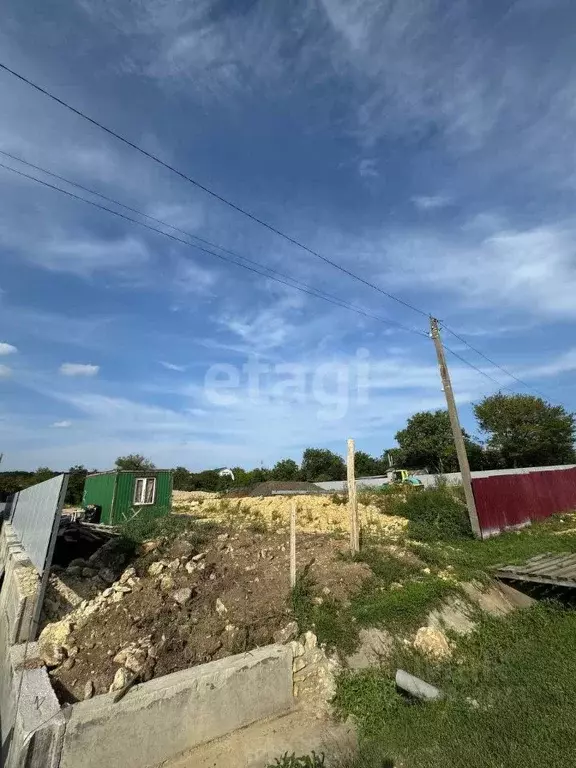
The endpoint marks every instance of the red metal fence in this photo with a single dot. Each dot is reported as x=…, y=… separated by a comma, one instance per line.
x=506, y=501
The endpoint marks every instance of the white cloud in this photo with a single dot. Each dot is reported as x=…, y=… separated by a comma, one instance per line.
x=430, y=202
x=62, y=424
x=5, y=372
x=7, y=349
x=79, y=369
x=173, y=366
x=367, y=168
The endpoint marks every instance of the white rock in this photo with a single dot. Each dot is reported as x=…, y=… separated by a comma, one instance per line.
x=56, y=633
x=220, y=607
x=198, y=557
x=289, y=632
x=310, y=640
x=190, y=567
x=297, y=649
x=129, y=573
x=88, y=690
x=156, y=568
x=166, y=582
x=181, y=596
x=173, y=565
x=432, y=643
x=121, y=678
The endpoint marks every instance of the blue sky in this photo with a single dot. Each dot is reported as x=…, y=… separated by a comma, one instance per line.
x=428, y=147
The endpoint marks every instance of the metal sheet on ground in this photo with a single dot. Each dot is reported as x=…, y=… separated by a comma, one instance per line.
x=555, y=569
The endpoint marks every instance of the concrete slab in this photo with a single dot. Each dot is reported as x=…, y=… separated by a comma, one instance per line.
x=158, y=720
x=260, y=744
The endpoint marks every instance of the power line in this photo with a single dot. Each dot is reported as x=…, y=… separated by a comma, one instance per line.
x=480, y=371
x=297, y=285
x=492, y=362
x=208, y=191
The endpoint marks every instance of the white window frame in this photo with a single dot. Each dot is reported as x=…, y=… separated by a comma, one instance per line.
x=145, y=481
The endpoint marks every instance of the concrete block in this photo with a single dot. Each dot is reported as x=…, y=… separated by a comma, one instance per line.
x=32, y=721
x=160, y=719
x=18, y=598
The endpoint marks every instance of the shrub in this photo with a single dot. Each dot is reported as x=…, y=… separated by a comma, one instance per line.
x=434, y=513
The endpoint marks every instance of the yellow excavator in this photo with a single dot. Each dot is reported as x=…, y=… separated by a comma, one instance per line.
x=404, y=477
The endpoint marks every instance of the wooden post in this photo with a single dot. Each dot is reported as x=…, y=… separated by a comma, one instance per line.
x=293, y=546
x=353, y=506
x=456, y=430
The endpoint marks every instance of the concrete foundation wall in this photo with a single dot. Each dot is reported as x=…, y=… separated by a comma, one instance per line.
x=164, y=717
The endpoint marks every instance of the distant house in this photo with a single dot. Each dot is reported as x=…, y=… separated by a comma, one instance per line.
x=123, y=493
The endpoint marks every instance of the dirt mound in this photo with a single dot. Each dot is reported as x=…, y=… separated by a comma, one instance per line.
x=316, y=514
x=183, y=603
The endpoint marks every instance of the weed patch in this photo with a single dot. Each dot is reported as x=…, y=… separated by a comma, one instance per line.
x=330, y=620
x=433, y=513
x=291, y=761
x=139, y=529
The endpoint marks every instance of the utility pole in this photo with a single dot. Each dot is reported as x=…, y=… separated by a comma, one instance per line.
x=352, y=503
x=456, y=430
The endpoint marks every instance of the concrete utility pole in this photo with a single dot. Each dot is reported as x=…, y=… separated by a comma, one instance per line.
x=456, y=430
x=353, y=506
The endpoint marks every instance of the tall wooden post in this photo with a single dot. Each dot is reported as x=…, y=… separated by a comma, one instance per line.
x=352, y=503
x=456, y=430
x=293, y=546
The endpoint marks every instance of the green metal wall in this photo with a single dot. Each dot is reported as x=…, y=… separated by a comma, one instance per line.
x=124, y=497
x=99, y=489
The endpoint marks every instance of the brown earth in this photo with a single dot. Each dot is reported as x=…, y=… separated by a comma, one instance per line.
x=238, y=600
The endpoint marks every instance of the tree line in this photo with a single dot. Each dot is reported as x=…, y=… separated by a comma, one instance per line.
x=514, y=431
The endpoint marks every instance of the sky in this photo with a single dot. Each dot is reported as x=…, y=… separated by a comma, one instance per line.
x=427, y=147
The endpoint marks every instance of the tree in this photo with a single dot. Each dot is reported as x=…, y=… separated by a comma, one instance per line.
x=366, y=465
x=42, y=474
x=526, y=430
x=75, y=490
x=134, y=462
x=427, y=443
x=320, y=465
x=286, y=469
x=181, y=479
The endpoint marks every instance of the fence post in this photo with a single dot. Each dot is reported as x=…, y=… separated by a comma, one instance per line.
x=293, y=545
x=354, y=527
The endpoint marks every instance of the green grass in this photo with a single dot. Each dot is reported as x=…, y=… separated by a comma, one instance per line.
x=470, y=557
x=521, y=671
x=331, y=621
x=403, y=609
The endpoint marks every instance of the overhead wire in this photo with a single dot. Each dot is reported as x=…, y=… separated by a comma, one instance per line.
x=492, y=362
x=269, y=273
x=244, y=212
x=272, y=274
x=207, y=190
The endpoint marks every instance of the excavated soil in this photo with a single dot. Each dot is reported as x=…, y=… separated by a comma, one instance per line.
x=315, y=513
x=234, y=596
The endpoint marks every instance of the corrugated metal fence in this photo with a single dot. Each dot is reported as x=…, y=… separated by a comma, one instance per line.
x=509, y=501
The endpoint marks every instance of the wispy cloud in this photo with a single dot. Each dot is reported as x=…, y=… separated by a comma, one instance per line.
x=79, y=369
x=62, y=424
x=431, y=202
x=173, y=366
x=5, y=372
x=7, y=349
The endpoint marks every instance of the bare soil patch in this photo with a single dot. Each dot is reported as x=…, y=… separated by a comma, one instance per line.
x=185, y=604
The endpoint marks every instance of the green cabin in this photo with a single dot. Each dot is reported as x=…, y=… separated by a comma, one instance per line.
x=122, y=493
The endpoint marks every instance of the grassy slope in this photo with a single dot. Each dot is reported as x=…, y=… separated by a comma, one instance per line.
x=521, y=670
